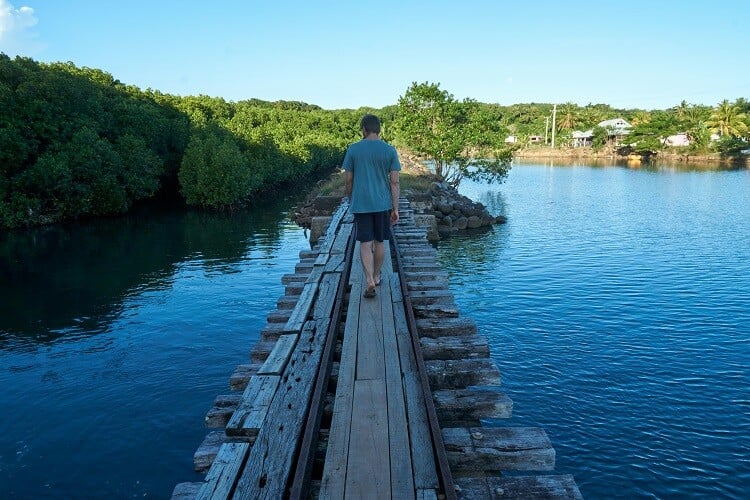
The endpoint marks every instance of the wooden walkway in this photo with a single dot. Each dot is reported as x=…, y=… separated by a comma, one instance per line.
x=353, y=397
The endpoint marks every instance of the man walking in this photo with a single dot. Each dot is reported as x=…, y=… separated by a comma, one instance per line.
x=372, y=184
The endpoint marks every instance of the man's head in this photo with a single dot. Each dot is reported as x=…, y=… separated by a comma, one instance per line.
x=370, y=124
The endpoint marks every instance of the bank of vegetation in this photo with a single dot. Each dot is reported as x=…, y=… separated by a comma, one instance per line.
x=76, y=142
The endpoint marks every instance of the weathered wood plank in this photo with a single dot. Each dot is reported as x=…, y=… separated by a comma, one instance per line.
x=326, y=301
x=498, y=449
x=248, y=418
x=460, y=373
x=402, y=480
x=276, y=361
x=241, y=376
x=427, y=494
x=221, y=411
x=463, y=347
x=370, y=353
x=302, y=309
x=463, y=405
x=423, y=463
x=368, y=472
x=434, y=311
x=543, y=487
x=439, y=327
x=333, y=481
x=186, y=491
x=440, y=276
x=209, y=448
x=222, y=476
x=278, y=316
x=432, y=296
x=270, y=463
x=287, y=302
x=262, y=349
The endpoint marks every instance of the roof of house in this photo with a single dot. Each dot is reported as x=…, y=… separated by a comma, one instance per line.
x=615, y=123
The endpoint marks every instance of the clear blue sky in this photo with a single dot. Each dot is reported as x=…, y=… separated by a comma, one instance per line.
x=647, y=54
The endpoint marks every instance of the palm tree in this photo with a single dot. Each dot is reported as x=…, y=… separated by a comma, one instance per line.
x=727, y=119
x=568, y=117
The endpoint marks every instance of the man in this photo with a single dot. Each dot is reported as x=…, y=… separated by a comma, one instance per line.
x=372, y=184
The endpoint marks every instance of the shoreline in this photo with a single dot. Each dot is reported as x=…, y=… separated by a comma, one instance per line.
x=590, y=154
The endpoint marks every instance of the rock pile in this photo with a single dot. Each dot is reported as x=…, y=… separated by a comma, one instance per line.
x=453, y=212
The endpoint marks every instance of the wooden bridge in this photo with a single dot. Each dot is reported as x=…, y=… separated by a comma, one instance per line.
x=352, y=397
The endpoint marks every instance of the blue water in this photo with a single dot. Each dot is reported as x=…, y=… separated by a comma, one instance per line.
x=615, y=300
x=617, y=304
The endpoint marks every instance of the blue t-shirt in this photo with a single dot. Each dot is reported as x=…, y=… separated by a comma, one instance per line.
x=371, y=162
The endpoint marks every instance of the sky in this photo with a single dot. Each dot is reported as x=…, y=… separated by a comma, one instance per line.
x=646, y=54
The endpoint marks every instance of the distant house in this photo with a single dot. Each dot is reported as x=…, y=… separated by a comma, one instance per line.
x=616, y=128
x=511, y=139
x=680, y=139
x=535, y=138
x=582, y=139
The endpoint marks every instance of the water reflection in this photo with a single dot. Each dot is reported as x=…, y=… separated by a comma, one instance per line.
x=75, y=278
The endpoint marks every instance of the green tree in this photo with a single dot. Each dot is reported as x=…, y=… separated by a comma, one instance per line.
x=459, y=138
x=728, y=120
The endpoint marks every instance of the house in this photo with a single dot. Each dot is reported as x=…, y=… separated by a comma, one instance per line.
x=582, y=139
x=511, y=139
x=616, y=128
x=535, y=138
x=680, y=139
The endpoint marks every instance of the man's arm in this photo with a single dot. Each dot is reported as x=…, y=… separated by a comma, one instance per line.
x=349, y=183
x=395, y=194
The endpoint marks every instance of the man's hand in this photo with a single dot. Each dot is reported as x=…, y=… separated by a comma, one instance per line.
x=394, y=217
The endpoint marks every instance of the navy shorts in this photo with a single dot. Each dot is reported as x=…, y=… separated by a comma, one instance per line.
x=373, y=226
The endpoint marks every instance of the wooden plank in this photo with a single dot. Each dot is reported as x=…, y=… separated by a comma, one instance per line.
x=368, y=472
x=427, y=495
x=425, y=472
x=278, y=358
x=370, y=353
x=186, y=491
x=439, y=327
x=249, y=416
x=333, y=481
x=221, y=411
x=315, y=275
x=463, y=347
x=561, y=486
x=460, y=373
x=270, y=463
x=473, y=404
x=498, y=449
x=206, y=453
x=402, y=480
x=302, y=309
x=222, y=476
x=326, y=296
x=342, y=238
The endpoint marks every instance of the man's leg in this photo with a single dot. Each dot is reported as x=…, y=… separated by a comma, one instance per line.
x=368, y=262
x=378, y=257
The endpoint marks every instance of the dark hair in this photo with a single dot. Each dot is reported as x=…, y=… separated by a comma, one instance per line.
x=370, y=123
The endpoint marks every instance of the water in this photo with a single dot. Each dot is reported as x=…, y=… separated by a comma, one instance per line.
x=116, y=336
x=616, y=304
x=615, y=301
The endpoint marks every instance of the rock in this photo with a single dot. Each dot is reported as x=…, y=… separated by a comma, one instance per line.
x=446, y=208
x=473, y=222
x=501, y=219
x=461, y=223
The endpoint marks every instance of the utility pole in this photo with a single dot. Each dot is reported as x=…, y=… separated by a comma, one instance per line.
x=554, y=112
x=546, y=128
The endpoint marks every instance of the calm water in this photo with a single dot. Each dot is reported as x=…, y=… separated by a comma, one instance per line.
x=615, y=300
x=617, y=304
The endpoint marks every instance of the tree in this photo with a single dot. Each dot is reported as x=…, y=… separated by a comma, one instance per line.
x=727, y=119
x=461, y=139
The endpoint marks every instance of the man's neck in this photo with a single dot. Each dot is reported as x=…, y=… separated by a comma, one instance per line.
x=372, y=136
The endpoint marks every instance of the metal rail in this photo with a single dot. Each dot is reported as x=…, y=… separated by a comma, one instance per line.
x=306, y=456
x=299, y=487
x=438, y=446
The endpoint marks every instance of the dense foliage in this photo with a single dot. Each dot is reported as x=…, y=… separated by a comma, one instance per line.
x=76, y=142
